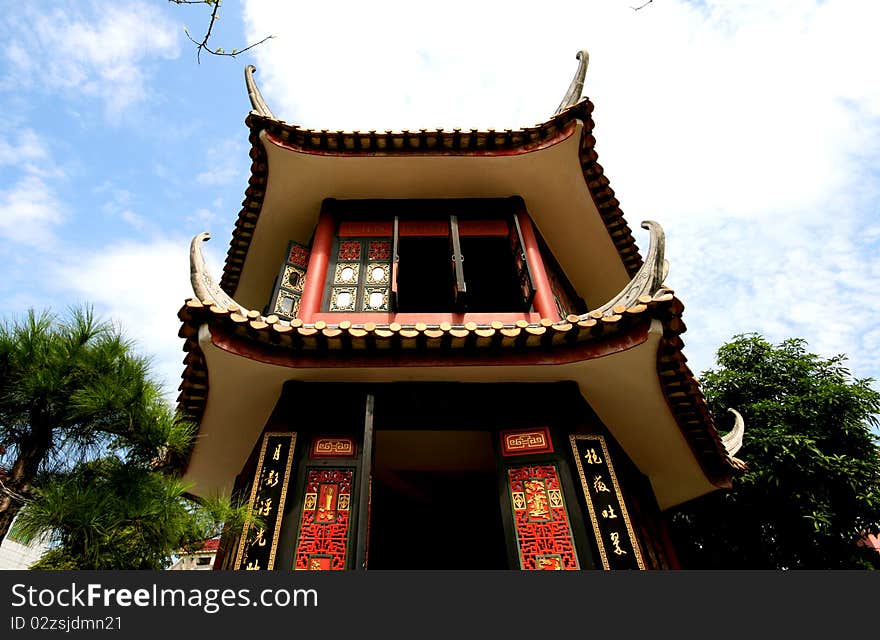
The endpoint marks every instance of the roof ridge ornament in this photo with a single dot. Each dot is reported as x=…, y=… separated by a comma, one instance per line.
x=259, y=105
x=205, y=288
x=733, y=440
x=577, y=83
x=648, y=279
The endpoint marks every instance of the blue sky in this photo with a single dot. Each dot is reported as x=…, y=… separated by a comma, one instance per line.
x=750, y=132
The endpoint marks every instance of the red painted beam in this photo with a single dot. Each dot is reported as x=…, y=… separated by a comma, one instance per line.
x=270, y=354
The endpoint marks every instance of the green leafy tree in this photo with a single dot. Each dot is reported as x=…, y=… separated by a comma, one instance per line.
x=90, y=448
x=118, y=514
x=812, y=487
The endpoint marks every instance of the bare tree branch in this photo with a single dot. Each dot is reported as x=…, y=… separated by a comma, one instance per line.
x=202, y=45
x=642, y=6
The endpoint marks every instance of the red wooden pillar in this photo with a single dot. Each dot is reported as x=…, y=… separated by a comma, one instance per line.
x=544, y=302
x=313, y=290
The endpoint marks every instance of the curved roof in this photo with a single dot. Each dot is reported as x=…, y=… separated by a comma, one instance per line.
x=265, y=127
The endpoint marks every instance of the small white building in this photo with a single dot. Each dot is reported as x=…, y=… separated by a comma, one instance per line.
x=201, y=560
x=16, y=555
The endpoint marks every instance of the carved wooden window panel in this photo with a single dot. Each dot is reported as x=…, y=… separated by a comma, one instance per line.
x=290, y=282
x=360, y=279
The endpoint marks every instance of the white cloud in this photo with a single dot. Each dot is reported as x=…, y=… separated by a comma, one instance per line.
x=119, y=205
x=28, y=148
x=811, y=281
x=93, y=50
x=132, y=218
x=227, y=164
x=220, y=175
x=203, y=216
x=30, y=208
x=27, y=153
x=749, y=129
x=29, y=211
x=140, y=285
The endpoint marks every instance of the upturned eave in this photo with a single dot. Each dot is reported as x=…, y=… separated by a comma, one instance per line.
x=284, y=192
x=675, y=419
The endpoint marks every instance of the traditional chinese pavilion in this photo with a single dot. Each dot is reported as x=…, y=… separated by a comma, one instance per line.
x=442, y=349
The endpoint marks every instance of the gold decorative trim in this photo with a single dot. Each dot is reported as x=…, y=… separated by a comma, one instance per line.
x=526, y=442
x=372, y=267
x=300, y=280
x=519, y=500
x=593, y=519
x=352, y=280
x=253, y=497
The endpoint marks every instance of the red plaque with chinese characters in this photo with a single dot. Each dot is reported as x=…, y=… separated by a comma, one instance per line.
x=543, y=531
x=322, y=543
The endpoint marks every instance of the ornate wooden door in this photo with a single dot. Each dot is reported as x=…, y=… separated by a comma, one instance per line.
x=535, y=501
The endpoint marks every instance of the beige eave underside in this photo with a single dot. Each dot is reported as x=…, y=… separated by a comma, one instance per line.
x=622, y=388
x=550, y=180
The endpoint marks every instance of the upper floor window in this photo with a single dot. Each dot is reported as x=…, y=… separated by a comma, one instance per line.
x=428, y=257
x=289, y=282
x=399, y=259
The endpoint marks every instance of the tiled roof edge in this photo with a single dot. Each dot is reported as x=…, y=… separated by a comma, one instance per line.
x=423, y=141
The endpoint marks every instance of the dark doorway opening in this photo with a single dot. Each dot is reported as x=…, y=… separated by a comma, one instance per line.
x=435, y=502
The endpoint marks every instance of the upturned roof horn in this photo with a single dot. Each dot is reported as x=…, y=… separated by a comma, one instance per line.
x=577, y=83
x=259, y=105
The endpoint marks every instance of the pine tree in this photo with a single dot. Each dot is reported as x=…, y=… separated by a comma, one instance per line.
x=91, y=448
